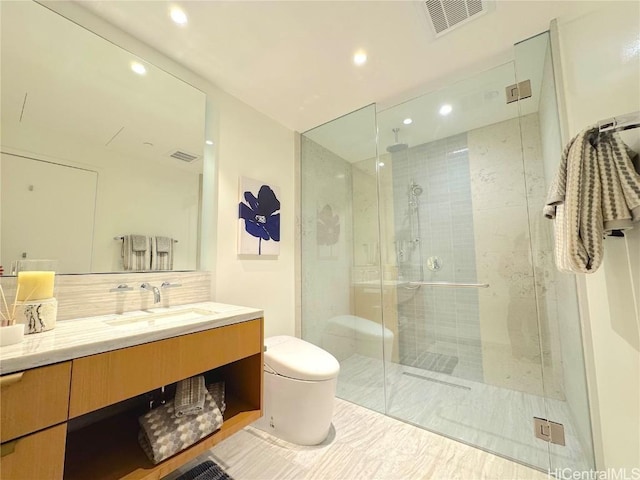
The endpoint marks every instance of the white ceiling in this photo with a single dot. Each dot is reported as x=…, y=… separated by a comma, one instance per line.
x=292, y=60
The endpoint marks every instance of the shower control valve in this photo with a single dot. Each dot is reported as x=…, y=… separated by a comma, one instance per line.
x=434, y=263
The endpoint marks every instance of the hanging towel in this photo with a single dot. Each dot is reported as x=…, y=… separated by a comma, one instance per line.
x=136, y=252
x=190, y=394
x=596, y=190
x=162, y=434
x=162, y=253
x=217, y=392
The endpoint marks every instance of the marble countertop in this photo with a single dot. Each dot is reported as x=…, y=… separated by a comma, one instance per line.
x=87, y=336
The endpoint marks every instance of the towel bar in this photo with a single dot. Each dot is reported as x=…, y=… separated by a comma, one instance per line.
x=122, y=238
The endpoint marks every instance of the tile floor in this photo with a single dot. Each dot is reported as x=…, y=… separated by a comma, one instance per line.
x=362, y=445
x=495, y=419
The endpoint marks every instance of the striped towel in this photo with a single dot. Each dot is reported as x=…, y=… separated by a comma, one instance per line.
x=162, y=253
x=595, y=191
x=216, y=390
x=189, y=398
x=136, y=252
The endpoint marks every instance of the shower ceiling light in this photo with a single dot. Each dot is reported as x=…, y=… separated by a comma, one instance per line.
x=178, y=16
x=209, y=142
x=381, y=164
x=360, y=57
x=138, y=68
x=445, y=109
x=407, y=121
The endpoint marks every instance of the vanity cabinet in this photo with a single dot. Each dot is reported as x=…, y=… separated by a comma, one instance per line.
x=36, y=456
x=33, y=400
x=45, y=411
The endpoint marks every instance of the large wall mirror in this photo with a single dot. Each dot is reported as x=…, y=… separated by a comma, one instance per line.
x=97, y=144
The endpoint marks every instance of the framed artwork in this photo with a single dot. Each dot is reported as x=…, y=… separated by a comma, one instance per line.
x=258, y=218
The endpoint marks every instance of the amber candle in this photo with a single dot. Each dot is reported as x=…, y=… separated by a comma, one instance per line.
x=35, y=285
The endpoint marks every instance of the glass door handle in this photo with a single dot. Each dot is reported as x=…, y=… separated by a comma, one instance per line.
x=449, y=284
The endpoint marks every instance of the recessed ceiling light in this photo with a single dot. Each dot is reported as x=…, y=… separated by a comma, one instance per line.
x=381, y=164
x=360, y=57
x=138, y=68
x=407, y=121
x=178, y=16
x=209, y=142
x=445, y=109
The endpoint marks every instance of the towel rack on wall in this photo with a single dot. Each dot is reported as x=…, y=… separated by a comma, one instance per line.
x=620, y=123
x=122, y=238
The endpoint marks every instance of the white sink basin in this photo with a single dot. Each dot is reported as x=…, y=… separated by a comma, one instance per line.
x=155, y=319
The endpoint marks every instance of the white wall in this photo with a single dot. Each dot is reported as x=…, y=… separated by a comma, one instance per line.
x=246, y=143
x=600, y=55
x=252, y=145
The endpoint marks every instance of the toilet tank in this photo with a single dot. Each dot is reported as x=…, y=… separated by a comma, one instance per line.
x=292, y=357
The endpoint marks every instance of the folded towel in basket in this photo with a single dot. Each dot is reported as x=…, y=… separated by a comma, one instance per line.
x=190, y=395
x=162, y=434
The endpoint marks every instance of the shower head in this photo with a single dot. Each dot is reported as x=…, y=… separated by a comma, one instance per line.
x=397, y=147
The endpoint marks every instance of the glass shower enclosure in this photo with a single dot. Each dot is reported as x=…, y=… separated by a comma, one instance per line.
x=427, y=266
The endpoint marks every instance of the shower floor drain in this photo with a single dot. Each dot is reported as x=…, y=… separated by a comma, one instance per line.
x=422, y=377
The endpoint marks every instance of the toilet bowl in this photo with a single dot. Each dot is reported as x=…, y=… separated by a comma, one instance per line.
x=299, y=390
x=346, y=335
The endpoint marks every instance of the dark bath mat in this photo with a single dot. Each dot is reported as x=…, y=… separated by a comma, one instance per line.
x=208, y=470
x=436, y=362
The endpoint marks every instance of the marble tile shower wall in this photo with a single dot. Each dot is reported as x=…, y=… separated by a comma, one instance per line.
x=517, y=313
x=436, y=324
x=326, y=236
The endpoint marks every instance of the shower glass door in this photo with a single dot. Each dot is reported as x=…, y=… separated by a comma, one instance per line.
x=468, y=364
x=427, y=265
x=478, y=297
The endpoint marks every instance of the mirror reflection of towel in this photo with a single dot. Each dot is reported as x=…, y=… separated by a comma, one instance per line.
x=162, y=253
x=136, y=252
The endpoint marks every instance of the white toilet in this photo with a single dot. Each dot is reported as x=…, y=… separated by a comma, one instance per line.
x=299, y=390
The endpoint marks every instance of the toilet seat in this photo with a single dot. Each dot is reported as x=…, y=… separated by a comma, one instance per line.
x=294, y=358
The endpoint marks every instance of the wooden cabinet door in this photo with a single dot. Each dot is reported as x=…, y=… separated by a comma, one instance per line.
x=33, y=400
x=37, y=456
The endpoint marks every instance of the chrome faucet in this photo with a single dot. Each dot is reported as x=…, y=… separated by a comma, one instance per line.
x=151, y=288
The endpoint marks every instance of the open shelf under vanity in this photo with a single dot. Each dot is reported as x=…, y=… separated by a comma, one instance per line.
x=98, y=399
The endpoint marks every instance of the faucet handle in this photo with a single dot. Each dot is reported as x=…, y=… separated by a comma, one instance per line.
x=123, y=287
x=170, y=285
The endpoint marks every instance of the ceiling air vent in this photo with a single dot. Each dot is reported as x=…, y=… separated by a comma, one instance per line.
x=184, y=156
x=445, y=15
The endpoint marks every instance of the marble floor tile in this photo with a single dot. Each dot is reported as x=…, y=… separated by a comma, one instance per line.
x=496, y=419
x=362, y=445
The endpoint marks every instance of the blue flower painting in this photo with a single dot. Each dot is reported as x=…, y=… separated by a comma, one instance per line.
x=259, y=216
